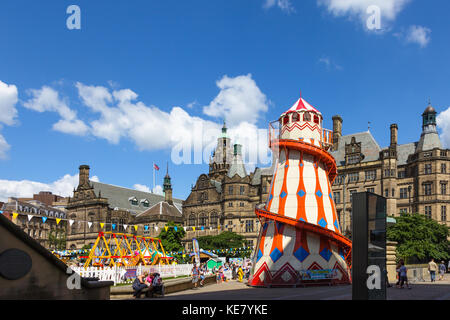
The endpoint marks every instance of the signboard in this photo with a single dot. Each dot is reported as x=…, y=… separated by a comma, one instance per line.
x=318, y=274
x=369, y=246
x=196, y=250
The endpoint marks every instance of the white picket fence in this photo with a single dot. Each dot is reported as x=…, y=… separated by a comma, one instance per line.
x=127, y=274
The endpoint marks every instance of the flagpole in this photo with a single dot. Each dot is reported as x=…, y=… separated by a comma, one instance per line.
x=153, y=190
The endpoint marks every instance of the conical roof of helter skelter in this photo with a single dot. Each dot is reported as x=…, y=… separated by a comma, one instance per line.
x=301, y=105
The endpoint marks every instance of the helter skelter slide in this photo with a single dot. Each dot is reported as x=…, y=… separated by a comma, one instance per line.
x=300, y=232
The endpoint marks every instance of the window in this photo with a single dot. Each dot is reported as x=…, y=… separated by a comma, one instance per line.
x=403, y=193
x=286, y=120
x=403, y=210
x=230, y=204
x=249, y=226
x=443, y=213
x=337, y=197
x=386, y=193
x=428, y=212
x=371, y=175
x=134, y=201
x=353, y=177
x=295, y=117
x=316, y=119
x=443, y=168
x=264, y=189
x=214, y=220
x=241, y=204
x=371, y=190
x=191, y=220
x=203, y=219
x=339, y=180
x=306, y=116
x=427, y=168
x=443, y=188
x=353, y=159
x=146, y=204
x=393, y=193
x=230, y=190
x=402, y=174
x=241, y=190
x=351, y=194
x=427, y=189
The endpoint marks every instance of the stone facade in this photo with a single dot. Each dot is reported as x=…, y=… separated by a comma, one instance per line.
x=414, y=177
x=35, y=227
x=225, y=198
x=102, y=203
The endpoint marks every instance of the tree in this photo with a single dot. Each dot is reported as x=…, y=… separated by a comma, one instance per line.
x=419, y=238
x=171, y=238
x=224, y=241
x=57, y=239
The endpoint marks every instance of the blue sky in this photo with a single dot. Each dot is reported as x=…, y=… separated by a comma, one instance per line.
x=119, y=93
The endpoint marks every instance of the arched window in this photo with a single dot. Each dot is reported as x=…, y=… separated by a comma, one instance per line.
x=286, y=119
x=295, y=117
x=306, y=116
x=316, y=119
x=203, y=220
x=214, y=220
x=191, y=220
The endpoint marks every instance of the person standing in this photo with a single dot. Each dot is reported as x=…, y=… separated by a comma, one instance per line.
x=441, y=270
x=432, y=268
x=194, y=275
x=403, y=275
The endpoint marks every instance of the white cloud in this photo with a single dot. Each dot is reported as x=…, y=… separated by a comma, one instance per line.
x=47, y=99
x=25, y=188
x=284, y=5
x=122, y=116
x=418, y=35
x=4, y=148
x=8, y=113
x=156, y=190
x=8, y=101
x=329, y=64
x=357, y=9
x=239, y=100
x=443, y=122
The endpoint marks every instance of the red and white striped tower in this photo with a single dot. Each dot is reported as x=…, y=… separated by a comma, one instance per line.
x=300, y=228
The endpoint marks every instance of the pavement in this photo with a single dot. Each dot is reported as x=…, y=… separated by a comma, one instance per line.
x=234, y=290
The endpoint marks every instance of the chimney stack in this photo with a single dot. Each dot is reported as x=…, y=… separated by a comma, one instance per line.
x=394, y=134
x=337, y=131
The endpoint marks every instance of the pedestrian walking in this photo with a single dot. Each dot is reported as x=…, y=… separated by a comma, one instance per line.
x=432, y=268
x=403, y=275
x=441, y=270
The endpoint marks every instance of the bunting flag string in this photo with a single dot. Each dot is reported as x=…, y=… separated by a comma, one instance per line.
x=115, y=226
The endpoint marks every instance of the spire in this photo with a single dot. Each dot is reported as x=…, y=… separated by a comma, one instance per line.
x=167, y=187
x=224, y=129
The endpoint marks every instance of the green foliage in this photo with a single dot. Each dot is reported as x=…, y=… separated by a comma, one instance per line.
x=419, y=238
x=57, y=239
x=225, y=241
x=171, y=239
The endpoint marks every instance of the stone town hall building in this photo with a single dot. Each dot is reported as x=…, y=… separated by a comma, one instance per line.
x=414, y=177
x=226, y=196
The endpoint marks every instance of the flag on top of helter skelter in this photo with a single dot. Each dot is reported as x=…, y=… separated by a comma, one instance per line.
x=300, y=239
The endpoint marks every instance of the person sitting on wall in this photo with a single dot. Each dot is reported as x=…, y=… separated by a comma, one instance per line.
x=157, y=284
x=139, y=284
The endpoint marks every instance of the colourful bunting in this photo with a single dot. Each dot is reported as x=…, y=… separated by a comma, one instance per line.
x=15, y=215
x=101, y=225
x=58, y=221
x=44, y=219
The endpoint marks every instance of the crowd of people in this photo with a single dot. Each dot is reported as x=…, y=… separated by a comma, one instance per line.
x=223, y=273
x=151, y=281
x=433, y=269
